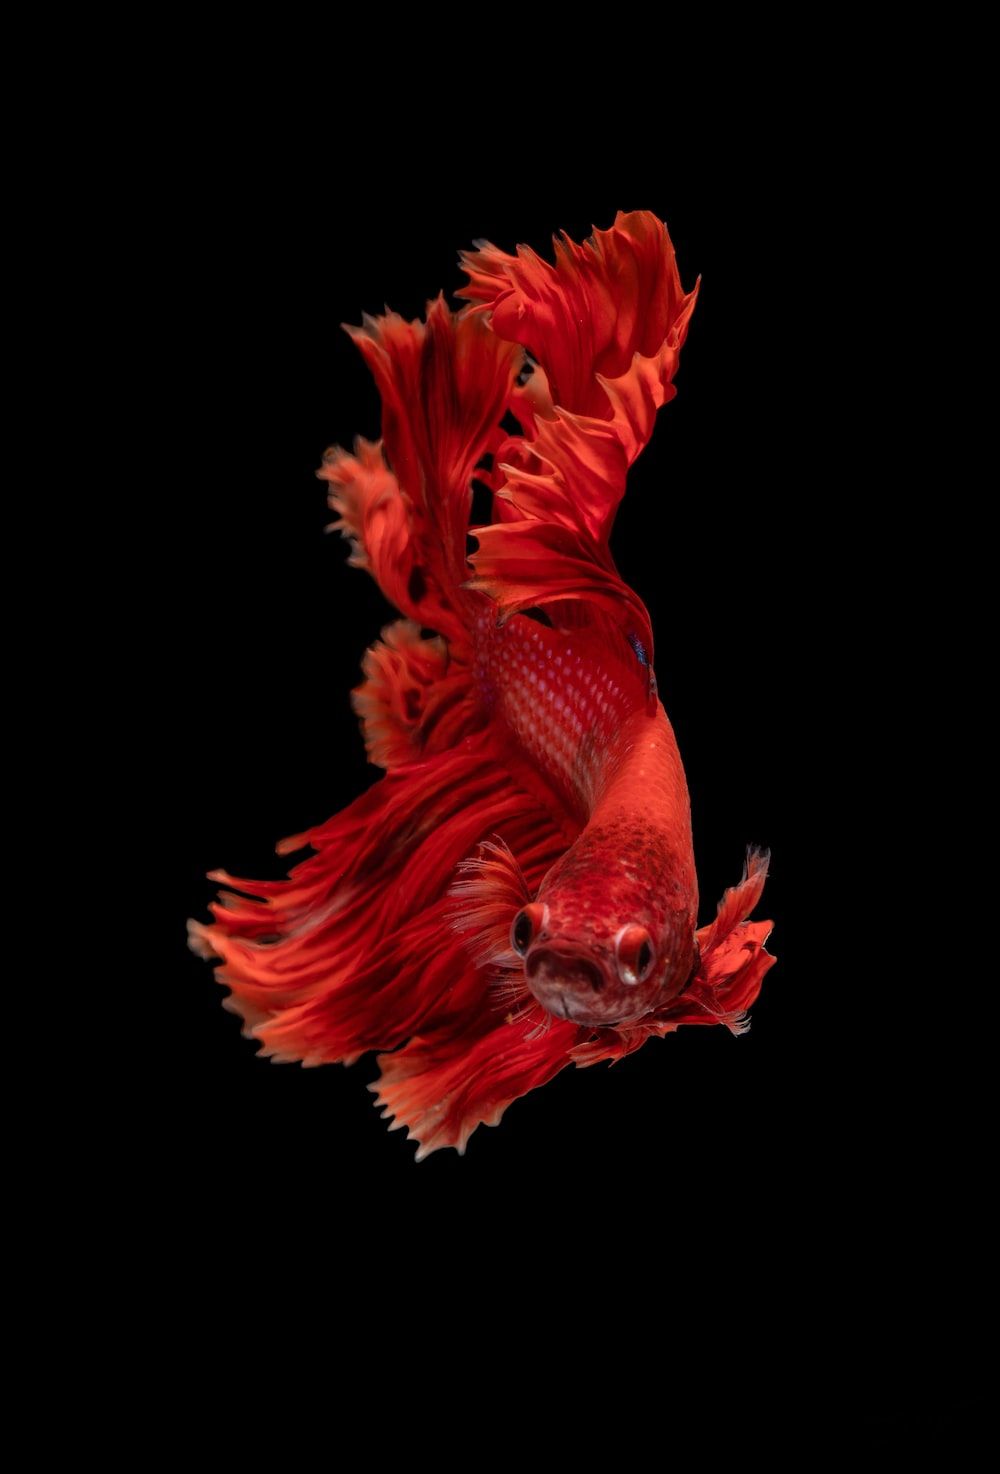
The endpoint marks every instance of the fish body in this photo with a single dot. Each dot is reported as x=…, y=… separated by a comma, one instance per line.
x=585, y=721
x=518, y=892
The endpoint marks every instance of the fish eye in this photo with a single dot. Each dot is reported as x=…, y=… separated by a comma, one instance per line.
x=521, y=932
x=634, y=954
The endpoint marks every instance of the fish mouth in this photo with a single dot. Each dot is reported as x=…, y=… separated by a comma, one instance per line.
x=546, y=965
x=573, y=987
x=585, y=1019
x=562, y=1007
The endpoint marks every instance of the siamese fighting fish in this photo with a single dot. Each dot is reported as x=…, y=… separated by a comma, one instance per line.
x=517, y=892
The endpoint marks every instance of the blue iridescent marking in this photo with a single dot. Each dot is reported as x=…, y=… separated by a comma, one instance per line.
x=639, y=648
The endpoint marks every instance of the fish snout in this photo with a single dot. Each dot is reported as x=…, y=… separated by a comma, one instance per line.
x=545, y=966
x=569, y=984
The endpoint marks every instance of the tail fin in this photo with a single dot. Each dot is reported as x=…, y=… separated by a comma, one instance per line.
x=404, y=505
x=444, y=385
x=606, y=325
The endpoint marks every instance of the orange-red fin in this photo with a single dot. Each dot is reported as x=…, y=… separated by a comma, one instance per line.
x=357, y=949
x=471, y=1065
x=571, y=472
x=387, y=535
x=521, y=565
x=487, y=893
x=444, y=385
x=377, y=865
x=417, y=698
x=737, y=903
x=404, y=503
x=733, y=959
x=592, y=311
x=571, y=468
x=606, y=323
x=445, y=1084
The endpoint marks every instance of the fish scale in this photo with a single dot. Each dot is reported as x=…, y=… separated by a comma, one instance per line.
x=586, y=724
x=555, y=696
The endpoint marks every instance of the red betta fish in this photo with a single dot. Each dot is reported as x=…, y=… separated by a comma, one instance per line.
x=517, y=893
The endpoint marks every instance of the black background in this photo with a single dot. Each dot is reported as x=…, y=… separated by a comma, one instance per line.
x=794, y=1172
x=268, y=625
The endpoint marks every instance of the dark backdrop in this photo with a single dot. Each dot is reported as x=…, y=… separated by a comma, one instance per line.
x=267, y=625
x=794, y=1166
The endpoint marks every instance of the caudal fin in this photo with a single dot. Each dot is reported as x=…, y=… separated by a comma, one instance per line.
x=605, y=325
x=405, y=503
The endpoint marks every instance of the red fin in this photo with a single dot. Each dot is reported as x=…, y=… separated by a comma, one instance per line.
x=462, y=1074
x=444, y=385
x=572, y=473
x=732, y=956
x=521, y=565
x=385, y=535
x=617, y=295
x=606, y=323
x=736, y=904
x=390, y=990
x=479, y=1056
x=417, y=698
x=486, y=896
x=444, y=1085
x=377, y=864
x=355, y=950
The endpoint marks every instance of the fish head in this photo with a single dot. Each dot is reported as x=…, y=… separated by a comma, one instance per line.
x=613, y=971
